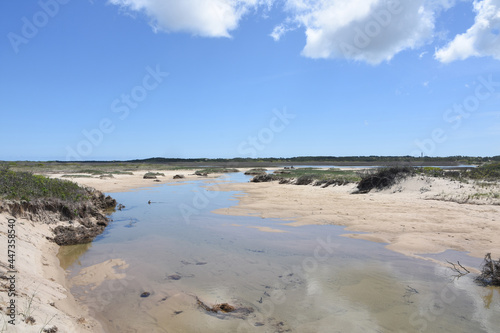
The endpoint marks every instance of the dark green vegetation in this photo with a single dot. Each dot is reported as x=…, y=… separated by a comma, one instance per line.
x=27, y=186
x=487, y=172
x=378, y=178
x=96, y=172
x=39, y=198
x=209, y=170
x=160, y=163
x=256, y=171
x=384, y=178
x=88, y=168
x=307, y=176
x=152, y=175
x=323, y=160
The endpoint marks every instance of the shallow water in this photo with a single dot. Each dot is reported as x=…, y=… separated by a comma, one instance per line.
x=305, y=279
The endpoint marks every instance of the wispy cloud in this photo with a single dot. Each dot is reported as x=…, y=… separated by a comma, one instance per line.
x=482, y=39
x=278, y=32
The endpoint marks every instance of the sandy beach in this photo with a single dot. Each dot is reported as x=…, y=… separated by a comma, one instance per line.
x=124, y=182
x=415, y=217
x=40, y=282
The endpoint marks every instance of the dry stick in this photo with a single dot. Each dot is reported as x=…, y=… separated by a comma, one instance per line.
x=493, y=272
x=463, y=267
x=458, y=270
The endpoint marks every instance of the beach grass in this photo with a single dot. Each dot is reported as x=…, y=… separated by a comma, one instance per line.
x=306, y=176
x=21, y=185
x=210, y=170
x=486, y=172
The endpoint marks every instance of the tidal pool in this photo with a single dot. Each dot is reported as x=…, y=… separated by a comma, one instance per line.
x=167, y=243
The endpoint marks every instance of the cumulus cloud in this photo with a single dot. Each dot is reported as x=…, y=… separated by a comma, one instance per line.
x=366, y=30
x=208, y=18
x=371, y=31
x=278, y=31
x=482, y=39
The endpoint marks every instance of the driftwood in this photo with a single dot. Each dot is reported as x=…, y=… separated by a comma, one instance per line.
x=490, y=272
x=460, y=270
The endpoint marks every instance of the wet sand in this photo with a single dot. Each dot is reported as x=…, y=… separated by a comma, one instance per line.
x=41, y=273
x=40, y=282
x=358, y=286
x=406, y=218
x=410, y=217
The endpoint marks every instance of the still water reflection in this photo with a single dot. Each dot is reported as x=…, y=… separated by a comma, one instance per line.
x=304, y=279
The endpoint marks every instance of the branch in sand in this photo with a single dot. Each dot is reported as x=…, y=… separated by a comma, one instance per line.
x=460, y=270
x=490, y=273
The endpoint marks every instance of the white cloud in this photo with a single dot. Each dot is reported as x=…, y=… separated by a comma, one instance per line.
x=278, y=31
x=366, y=30
x=482, y=39
x=208, y=18
x=371, y=31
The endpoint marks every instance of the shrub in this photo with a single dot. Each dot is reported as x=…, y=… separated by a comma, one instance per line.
x=265, y=178
x=383, y=178
x=206, y=171
x=26, y=186
x=304, y=180
x=256, y=171
x=152, y=175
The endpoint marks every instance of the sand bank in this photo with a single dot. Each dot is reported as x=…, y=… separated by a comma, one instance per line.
x=40, y=283
x=414, y=217
x=408, y=217
x=124, y=183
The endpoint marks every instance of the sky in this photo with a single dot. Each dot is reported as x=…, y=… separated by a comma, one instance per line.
x=127, y=79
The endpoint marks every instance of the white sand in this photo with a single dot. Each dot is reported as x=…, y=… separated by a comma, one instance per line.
x=406, y=217
x=41, y=279
x=124, y=183
x=39, y=270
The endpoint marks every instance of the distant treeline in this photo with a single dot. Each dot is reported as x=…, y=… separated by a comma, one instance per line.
x=384, y=160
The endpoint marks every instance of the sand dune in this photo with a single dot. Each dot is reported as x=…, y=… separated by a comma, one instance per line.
x=416, y=216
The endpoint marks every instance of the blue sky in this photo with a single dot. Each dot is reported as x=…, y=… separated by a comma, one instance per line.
x=125, y=79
